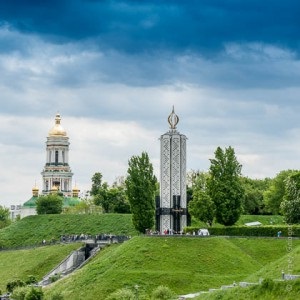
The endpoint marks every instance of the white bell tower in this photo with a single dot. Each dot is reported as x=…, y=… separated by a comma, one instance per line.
x=57, y=173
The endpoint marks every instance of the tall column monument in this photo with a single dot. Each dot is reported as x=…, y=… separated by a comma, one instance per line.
x=171, y=213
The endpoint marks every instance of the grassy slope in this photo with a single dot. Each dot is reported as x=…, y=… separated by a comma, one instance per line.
x=272, y=270
x=184, y=264
x=287, y=290
x=33, y=229
x=38, y=262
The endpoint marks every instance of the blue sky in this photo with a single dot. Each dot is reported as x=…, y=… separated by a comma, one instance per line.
x=114, y=69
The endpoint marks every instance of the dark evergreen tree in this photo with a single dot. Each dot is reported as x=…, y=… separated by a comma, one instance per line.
x=140, y=188
x=224, y=186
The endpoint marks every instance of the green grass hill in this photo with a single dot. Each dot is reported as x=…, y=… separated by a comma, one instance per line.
x=33, y=229
x=184, y=264
x=37, y=261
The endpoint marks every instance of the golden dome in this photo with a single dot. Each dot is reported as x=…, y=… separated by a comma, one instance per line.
x=35, y=191
x=76, y=189
x=54, y=188
x=57, y=129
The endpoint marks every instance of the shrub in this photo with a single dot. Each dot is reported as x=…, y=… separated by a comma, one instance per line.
x=122, y=294
x=34, y=294
x=55, y=277
x=267, y=284
x=20, y=292
x=31, y=280
x=162, y=293
x=11, y=285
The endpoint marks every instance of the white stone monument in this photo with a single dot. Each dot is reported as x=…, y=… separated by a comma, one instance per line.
x=171, y=215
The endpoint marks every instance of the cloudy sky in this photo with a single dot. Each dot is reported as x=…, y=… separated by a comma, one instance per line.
x=114, y=69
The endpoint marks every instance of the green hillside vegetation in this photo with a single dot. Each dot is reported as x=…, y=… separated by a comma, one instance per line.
x=275, y=290
x=263, y=219
x=184, y=264
x=19, y=264
x=33, y=229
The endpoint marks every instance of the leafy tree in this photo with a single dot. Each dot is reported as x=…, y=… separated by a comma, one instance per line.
x=4, y=217
x=99, y=190
x=141, y=187
x=273, y=196
x=96, y=184
x=118, y=200
x=201, y=206
x=253, y=203
x=224, y=186
x=49, y=204
x=290, y=205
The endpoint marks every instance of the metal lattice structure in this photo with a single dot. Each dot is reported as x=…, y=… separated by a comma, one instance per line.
x=171, y=214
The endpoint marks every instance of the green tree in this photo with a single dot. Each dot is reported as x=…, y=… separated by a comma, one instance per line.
x=224, y=186
x=201, y=206
x=140, y=189
x=99, y=191
x=118, y=200
x=49, y=204
x=96, y=184
x=253, y=203
x=290, y=206
x=273, y=196
x=4, y=217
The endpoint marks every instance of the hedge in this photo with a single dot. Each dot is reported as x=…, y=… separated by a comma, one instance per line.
x=269, y=230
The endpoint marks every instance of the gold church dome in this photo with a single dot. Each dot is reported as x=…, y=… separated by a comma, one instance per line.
x=57, y=129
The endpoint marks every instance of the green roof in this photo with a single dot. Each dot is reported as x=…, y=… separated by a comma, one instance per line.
x=68, y=201
x=31, y=202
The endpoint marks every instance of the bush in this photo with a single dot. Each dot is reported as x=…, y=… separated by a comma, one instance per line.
x=55, y=277
x=267, y=284
x=162, y=293
x=31, y=280
x=122, y=294
x=14, y=284
x=20, y=292
x=34, y=294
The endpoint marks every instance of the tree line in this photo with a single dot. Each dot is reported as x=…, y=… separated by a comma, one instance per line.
x=220, y=194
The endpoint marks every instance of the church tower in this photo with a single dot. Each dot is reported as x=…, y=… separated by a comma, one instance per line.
x=57, y=172
x=171, y=215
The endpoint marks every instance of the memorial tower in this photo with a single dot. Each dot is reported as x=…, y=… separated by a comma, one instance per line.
x=171, y=211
